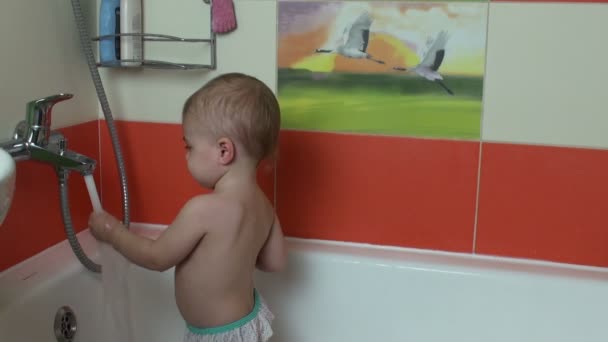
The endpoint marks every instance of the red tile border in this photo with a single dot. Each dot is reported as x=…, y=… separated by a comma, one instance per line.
x=544, y=202
x=536, y=202
x=382, y=190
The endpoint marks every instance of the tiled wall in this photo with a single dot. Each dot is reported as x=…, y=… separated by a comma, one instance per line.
x=532, y=187
x=41, y=57
x=544, y=157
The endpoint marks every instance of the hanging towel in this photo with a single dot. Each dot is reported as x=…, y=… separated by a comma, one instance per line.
x=224, y=19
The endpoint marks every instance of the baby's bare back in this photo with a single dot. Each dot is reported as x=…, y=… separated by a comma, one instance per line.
x=214, y=284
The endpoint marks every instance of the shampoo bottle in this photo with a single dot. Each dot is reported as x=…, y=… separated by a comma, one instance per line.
x=131, y=47
x=109, y=23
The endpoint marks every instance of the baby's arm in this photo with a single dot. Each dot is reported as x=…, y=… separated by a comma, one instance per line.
x=176, y=242
x=273, y=256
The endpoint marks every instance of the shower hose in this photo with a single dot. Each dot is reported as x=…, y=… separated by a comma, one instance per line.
x=85, y=42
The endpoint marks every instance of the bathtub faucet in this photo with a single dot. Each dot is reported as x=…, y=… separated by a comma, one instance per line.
x=34, y=140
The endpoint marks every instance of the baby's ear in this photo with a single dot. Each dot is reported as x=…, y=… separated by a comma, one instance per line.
x=226, y=151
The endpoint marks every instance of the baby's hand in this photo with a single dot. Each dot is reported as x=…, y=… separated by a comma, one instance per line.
x=102, y=224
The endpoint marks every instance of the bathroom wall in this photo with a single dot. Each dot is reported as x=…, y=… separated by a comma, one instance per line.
x=41, y=57
x=533, y=186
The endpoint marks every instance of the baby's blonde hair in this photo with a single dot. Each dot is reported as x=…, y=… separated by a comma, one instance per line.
x=240, y=107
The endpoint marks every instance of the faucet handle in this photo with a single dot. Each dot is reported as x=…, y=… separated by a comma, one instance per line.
x=38, y=118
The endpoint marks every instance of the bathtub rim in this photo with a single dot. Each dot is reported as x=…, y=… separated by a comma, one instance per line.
x=59, y=258
x=343, y=250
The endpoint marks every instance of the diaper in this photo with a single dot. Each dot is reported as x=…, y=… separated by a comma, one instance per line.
x=255, y=327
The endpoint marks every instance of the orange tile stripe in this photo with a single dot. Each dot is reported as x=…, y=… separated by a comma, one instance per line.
x=383, y=190
x=544, y=202
x=534, y=201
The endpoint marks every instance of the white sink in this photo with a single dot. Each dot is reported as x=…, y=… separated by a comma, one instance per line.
x=7, y=182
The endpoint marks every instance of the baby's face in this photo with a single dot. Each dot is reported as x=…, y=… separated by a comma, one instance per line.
x=201, y=155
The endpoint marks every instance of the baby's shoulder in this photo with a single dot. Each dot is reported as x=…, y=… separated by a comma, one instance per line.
x=215, y=207
x=210, y=202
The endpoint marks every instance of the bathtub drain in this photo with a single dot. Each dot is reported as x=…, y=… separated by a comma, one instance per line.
x=65, y=324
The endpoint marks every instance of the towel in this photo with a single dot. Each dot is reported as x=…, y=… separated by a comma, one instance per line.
x=224, y=19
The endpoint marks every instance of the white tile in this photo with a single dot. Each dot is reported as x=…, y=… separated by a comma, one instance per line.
x=41, y=57
x=158, y=95
x=546, y=74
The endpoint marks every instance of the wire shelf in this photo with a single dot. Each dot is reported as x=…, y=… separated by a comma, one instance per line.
x=159, y=64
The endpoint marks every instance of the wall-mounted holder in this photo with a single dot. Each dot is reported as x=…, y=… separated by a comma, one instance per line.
x=156, y=64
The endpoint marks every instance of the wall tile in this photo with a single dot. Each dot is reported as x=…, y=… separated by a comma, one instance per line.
x=544, y=203
x=545, y=76
x=330, y=92
x=382, y=190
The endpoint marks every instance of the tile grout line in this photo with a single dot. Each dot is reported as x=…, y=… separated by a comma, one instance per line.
x=483, y=114
x=476, y=222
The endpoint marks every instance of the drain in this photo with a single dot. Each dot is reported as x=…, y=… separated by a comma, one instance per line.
x=65, y=324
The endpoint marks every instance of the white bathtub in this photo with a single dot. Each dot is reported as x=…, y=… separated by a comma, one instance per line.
x=334, y=292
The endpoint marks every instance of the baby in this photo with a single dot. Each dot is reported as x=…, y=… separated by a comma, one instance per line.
x=218, y=239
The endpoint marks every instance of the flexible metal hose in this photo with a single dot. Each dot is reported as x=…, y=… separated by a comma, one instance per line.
x=67, y=222
x=85, y=42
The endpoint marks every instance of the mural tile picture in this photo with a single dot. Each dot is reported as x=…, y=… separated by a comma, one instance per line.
x=394, y=68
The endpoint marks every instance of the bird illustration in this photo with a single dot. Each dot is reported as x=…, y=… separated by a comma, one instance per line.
x=356, y=36
x=429, y=66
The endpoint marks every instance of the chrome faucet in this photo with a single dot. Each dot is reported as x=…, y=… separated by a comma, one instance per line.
x=34, y=140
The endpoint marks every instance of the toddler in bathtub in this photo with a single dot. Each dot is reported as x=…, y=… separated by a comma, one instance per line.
x=218, y=239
